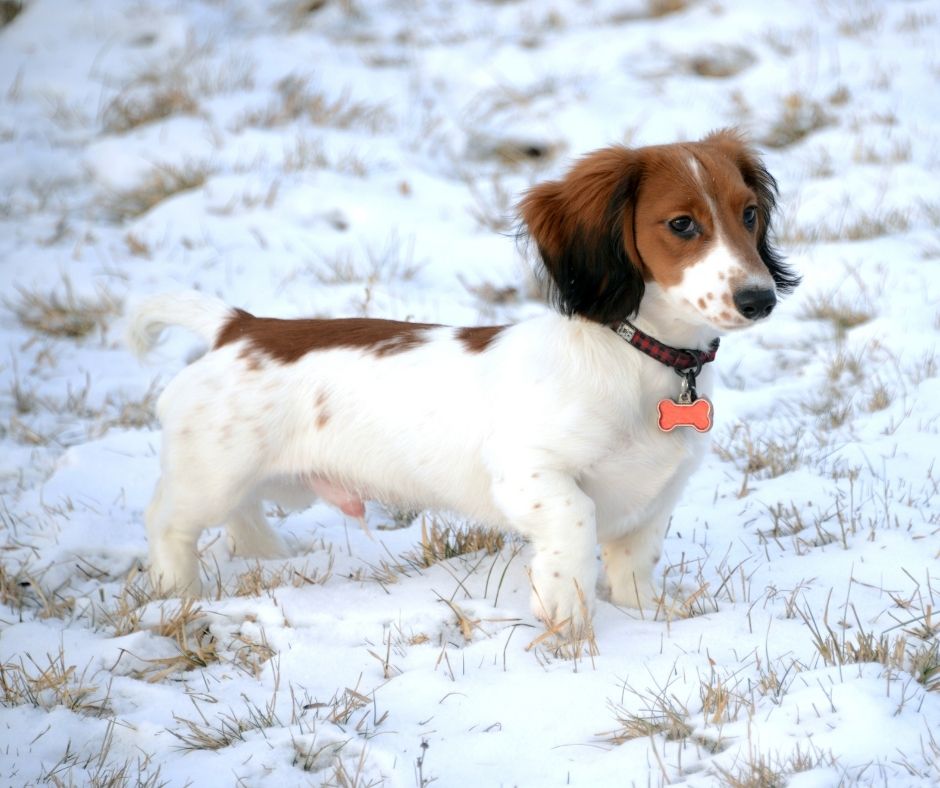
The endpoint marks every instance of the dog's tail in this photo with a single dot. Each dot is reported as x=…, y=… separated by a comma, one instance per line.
x=196, y=312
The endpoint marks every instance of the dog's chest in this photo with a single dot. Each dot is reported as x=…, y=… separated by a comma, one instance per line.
x=642, y=476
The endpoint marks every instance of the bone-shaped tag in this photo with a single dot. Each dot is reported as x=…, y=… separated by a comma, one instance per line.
x=696, y=414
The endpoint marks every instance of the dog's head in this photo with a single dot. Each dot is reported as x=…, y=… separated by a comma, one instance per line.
x=692, y=217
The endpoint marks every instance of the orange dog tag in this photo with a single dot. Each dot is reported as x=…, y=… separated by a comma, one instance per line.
x=696, y=414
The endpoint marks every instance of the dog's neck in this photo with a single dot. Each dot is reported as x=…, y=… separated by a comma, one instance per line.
x=660, y=321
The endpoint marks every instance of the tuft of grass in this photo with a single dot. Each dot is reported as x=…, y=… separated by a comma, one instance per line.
x=898, y=152
x=306, y=153
x=763, y=770
x=296, y=100
x=442, y=541
x=660, y=8
x=763, y=457
x=860, y=226
x=173, y=87
x=259, y=580
x=492, y=207
x=392, y=262
x=842, y=312
x=721, y=63
x=9, y=10
x=51, y=685
x=865, y=646
x=863, y=19
x=96, y=768
x=161, y=183
x=799, y=117
x=189, y=630
x=64, y=314
x=227, y=728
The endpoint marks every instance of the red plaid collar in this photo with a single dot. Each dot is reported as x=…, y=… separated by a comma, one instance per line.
x=679, y=359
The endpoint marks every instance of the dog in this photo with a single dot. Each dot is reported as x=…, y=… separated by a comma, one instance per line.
x=548, y=426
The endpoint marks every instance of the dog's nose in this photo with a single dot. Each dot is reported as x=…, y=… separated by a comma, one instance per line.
x=755, y=303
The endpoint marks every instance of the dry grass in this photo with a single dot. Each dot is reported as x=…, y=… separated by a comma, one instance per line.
x=720, y=63
x=441, y=541
x=764, y=770
x=226, y=728
x=161, y=183
x=97, y=768
x=861, y=225
x=306, y=153
x=189, y=630
x=62, y=313
x=760, y=456
x=799, y=116
x=660, y=8
x=9, y=10
x=260, y=580
x=50, y=685
x=492, y=203
x=297, y=100
x=843, y=312
x=174, y=86
x=374, y=265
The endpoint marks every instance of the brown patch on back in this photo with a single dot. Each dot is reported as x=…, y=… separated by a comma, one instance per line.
x=322, y=418
x=478, y=338
x=289, y=340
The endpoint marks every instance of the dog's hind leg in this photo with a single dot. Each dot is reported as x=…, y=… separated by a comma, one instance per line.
x=250, y=534
x=185, y=503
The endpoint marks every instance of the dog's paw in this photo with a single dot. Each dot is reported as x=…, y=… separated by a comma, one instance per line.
x=167, y=583
x=564, y=603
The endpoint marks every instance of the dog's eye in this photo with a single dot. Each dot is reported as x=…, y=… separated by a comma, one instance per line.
x=683, y=226
x=750, y=217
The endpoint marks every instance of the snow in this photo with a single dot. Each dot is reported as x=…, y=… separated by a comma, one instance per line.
x=813, y=527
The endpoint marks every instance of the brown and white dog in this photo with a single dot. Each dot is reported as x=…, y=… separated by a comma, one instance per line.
x=547, y=426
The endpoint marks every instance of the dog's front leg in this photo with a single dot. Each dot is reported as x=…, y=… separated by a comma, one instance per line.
x=558, y=517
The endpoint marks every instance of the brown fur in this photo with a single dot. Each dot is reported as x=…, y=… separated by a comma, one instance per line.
x=289, y=340
x=478, y=338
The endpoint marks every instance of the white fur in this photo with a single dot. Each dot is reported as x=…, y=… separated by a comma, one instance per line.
x=551, y=431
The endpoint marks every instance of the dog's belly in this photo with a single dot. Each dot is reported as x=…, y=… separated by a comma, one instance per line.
x=631, y=487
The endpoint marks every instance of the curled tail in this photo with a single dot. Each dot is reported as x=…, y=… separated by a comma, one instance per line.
x=196, y=312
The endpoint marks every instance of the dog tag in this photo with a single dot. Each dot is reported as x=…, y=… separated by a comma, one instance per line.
x=696, y=414
x=689, y=411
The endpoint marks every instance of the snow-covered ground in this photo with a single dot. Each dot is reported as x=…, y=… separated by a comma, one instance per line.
x=362, y=157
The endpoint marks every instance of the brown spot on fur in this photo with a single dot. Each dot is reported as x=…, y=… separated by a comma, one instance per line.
x=251, y=358
x=726, y=298
x=289, y=340
x=322, y=418
x=580, y=523
x=321, y=398
x=701, y=303
x=476, y=339
x=536, y=506
x=557, y=574
x=710, y=296
x=725, y=315
x=535, y=475
x=722, y=276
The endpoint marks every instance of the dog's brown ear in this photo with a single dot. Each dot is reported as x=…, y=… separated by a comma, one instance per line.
x=734, y=145
x=583, y=226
